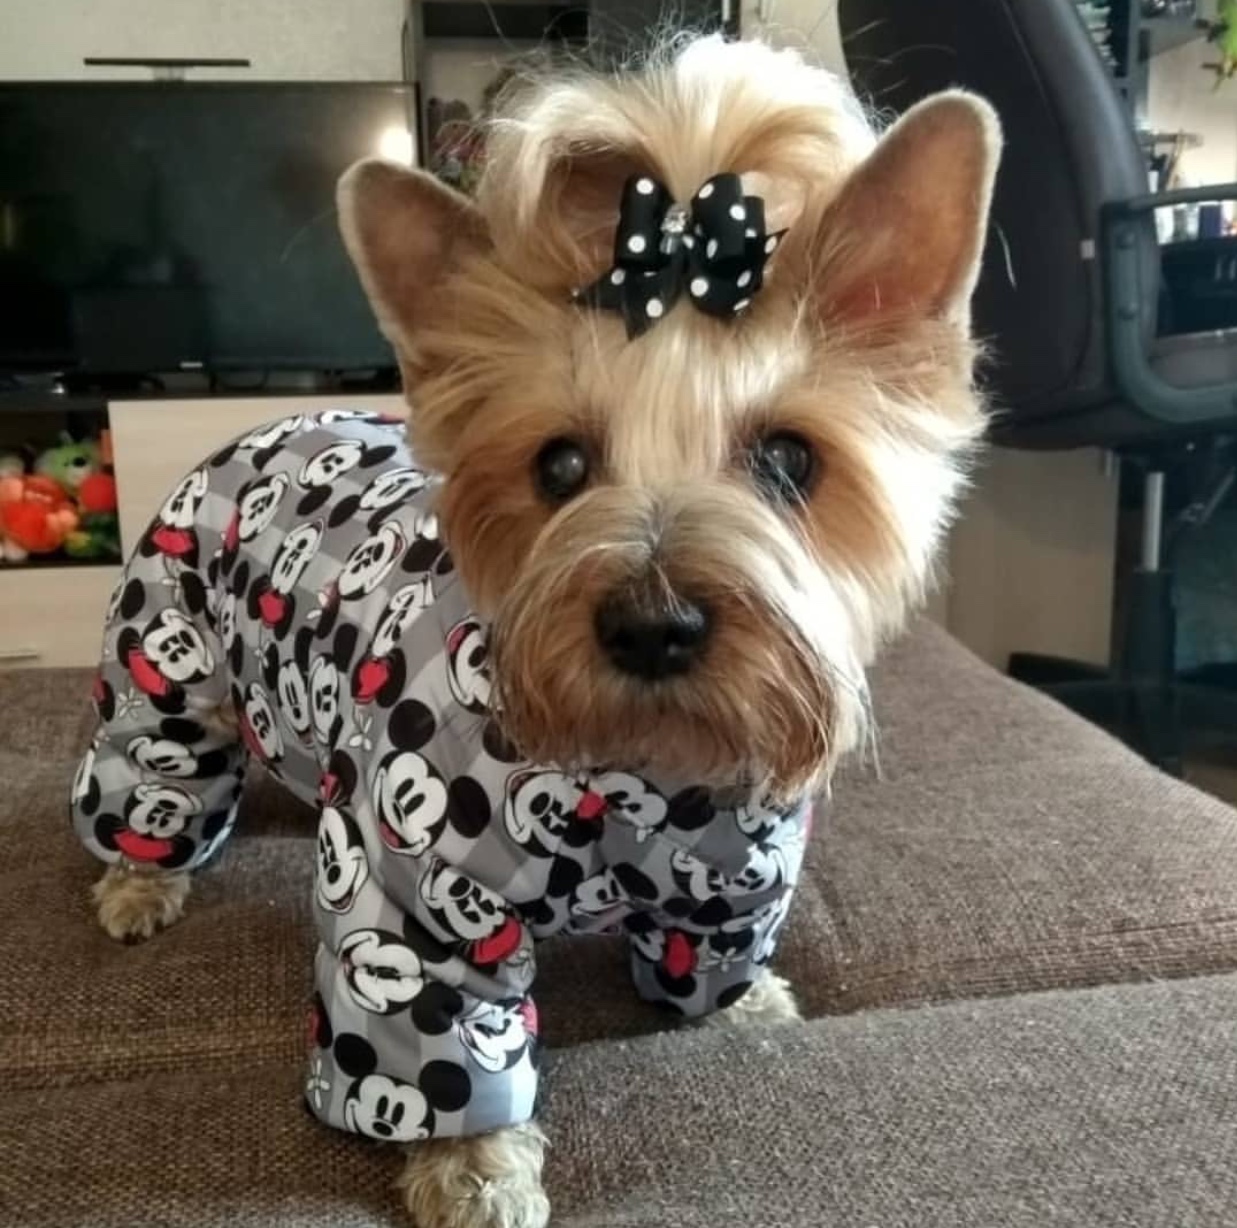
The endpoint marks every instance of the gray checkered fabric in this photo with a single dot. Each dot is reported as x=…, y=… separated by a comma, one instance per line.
x=292, y=602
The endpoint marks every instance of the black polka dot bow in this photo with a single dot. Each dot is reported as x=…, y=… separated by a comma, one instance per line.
x=714, y=251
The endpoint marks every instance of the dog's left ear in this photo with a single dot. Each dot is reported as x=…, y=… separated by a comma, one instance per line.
x=406, y=232
x=903, y=240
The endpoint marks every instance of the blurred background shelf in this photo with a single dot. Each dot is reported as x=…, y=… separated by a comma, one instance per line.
x=502, y=20
x=1168, y=33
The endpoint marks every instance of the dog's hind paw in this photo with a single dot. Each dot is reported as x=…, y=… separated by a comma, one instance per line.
x=135, y=904
x=770, y=1000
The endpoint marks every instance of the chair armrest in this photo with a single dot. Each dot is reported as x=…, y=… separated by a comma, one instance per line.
x=1127, y=272
x=1179, y=196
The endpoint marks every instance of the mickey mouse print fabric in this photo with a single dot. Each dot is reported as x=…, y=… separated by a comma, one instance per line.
x=297, y=580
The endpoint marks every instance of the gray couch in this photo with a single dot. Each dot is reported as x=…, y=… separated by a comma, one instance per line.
x=1061, y=919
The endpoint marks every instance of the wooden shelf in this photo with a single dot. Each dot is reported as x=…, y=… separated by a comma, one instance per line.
x=56, y=562
x=36, y=401
x=520, y=22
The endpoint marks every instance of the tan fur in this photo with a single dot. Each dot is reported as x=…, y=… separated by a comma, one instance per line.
x=770, y=1001
x=559, y=155
x=134, y=903
x=859, y=342
x=491, y=1181
x=221, y=721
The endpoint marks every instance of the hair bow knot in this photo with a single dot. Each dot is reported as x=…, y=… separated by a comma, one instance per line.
x=713, y=250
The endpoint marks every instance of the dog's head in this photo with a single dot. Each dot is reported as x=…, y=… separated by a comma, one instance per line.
x=690, y=504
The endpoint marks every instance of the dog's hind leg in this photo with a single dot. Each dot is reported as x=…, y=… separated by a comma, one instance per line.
x=769, y=1000
x=155, y=794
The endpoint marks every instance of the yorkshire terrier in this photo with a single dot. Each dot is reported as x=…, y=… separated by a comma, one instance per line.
x=691, y=400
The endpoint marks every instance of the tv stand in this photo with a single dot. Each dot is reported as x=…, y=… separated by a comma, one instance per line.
x=73, y=390
x=107, y=387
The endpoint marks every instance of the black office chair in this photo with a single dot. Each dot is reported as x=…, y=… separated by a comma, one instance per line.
x=1068, y=298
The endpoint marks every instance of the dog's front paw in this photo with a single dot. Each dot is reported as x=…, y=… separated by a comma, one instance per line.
x=491, y=1181
x=135, y=904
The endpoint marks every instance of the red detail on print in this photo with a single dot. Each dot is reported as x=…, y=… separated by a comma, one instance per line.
x=371, y=677
x=146, y=674
x=591, y=806
x=680, y=956
x=499, y=945
x=176, y=542
x=250, y=738
x=138, y=847
x=272, y=606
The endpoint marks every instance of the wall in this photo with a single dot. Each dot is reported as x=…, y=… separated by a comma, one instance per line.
x=808, y=24
x=314, y=40
x=460, y=70
x=1184, y=98
x=1031, y=561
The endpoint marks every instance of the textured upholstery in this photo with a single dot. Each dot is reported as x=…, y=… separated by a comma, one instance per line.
x=1003, y=847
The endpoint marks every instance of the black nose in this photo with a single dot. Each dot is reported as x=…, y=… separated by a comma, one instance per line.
x=652, y=644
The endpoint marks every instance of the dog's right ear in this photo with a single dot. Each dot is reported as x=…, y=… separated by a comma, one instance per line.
x=903, y=240
x=405, y=231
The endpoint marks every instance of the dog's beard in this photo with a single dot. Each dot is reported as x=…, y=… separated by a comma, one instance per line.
x=778, y=694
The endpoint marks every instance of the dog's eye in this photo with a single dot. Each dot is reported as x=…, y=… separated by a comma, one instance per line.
x=562, y=469
x=783, y=465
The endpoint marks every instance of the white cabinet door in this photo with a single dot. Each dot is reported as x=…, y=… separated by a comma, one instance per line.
x=155, y=443
x=53, y=616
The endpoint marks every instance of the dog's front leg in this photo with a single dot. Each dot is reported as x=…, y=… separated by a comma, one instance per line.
x=490, y=1181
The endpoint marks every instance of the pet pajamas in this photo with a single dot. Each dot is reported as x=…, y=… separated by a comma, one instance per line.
x=292, y=603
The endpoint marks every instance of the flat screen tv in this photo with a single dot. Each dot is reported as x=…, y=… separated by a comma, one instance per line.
x=149, y=228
